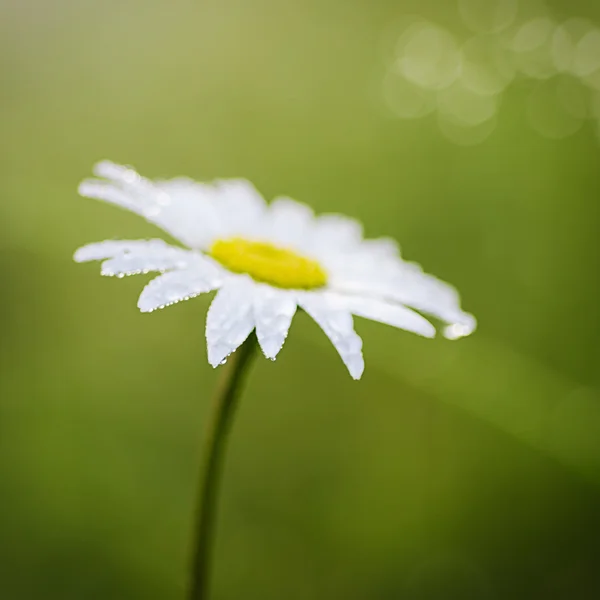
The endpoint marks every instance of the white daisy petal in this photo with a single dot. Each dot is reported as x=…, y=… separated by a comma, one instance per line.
x=273, y=312
x=146, y=261
x=230, y=320
x=336, y=231
x=118, y=173
x=124, y=187
x=141, y=256
x=338, y=326
x=111, y=248
x=381, y=311
x=189, y=211
x=176, y=286
x=465, y=325
x=434, y=297
x=399, y=281
x=101, y=190
x=381, y=248
x=240, y=207
x=288, y=223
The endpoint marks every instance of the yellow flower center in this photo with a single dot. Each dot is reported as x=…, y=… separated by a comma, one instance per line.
x=268, y=263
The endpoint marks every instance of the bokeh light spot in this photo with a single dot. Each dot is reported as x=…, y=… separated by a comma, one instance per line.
x=405, y=99
x=587, y=54
x=429, y=56
x=465, y=106
x=487, y=67
x=564, y=42
x=532, y=47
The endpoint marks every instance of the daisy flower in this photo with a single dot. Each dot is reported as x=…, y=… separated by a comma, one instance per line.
x=266, y=261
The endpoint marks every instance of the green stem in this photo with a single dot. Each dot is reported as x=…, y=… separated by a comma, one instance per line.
x=219, y=422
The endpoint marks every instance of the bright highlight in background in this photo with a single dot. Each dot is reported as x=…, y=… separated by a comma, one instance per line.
x=463, y=81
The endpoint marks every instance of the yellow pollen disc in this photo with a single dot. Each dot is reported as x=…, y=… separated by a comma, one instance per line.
x=268, y=263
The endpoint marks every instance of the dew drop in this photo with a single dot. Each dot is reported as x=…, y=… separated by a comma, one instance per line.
x=151, y=211
x=130, y=176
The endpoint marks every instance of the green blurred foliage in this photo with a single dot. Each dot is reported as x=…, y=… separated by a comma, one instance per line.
x=465, y=469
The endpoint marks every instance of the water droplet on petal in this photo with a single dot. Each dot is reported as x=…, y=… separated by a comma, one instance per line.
x=130, y=176
x=151, y=211
x=456, y=331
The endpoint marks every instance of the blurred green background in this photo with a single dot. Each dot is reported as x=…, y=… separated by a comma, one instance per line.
x=453, y=470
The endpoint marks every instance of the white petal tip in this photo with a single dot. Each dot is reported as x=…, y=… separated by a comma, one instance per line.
x=357, y=373
x=86, y=188
x=80, y=256
x=93, y=188
x=459, y=330
x=218, y=354
x=355, y=366
x=214, y=363
x=270, y=347
x=105, y=168
x=428, y=332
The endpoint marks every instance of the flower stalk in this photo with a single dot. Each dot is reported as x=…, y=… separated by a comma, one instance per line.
x=223, y=408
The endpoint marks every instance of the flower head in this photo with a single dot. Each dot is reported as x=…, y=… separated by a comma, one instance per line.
x=266, y=261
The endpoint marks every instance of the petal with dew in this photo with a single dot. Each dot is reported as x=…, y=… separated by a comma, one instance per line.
x=230, y=319
x=102, y=190
x=118, y=173
x=177, y=286
x=398, y=281
x=112, y=248
x=133, y=258
x=183, y=208
x=274, y=310
x=138, y=262
x=384, y=312
x=436, y=298
x=339, y=328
